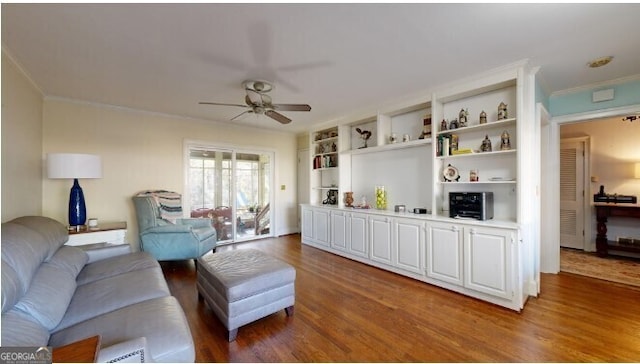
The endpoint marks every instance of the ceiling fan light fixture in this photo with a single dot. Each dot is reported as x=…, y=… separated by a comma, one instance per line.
x=257, y=86
x=600, y=62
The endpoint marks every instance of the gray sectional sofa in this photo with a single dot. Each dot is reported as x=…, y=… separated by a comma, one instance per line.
x=53, y=295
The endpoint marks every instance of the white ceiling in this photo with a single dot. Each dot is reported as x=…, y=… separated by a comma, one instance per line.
x=338, y=58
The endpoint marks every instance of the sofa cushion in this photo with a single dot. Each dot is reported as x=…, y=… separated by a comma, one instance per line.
x=52, y=231
x=160, y=320
x=70, y=259
x=19, y=329
x=23, y=250
x=109, y=294
x=12, y=290
x=110, y=267
x=48, y=296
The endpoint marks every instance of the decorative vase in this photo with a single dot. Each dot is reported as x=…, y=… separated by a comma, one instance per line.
x=381, y=198
x=77, y=207
x=348, y=199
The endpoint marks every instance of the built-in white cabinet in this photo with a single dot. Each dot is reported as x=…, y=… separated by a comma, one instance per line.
x=476, y=135
x=444, y=252
x=468, y=257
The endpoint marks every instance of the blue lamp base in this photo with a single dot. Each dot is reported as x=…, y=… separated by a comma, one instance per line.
x=77, y=207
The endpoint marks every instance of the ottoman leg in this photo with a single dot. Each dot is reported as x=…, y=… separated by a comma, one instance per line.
x=233, y=334
x=289, y=311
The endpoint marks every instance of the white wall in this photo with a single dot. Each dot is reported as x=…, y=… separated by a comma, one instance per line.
x=143, y=151
x=21, y=143
x=615, y=148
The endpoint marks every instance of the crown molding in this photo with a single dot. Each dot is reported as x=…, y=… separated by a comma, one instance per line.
x=592, y=86
x=21, y=69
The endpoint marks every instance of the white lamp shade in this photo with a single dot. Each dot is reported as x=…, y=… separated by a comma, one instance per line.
x=70, y=165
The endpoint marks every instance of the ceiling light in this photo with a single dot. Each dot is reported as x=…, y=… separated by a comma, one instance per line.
x=599, y=62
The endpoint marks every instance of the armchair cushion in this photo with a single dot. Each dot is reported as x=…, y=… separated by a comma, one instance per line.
x=196, y=223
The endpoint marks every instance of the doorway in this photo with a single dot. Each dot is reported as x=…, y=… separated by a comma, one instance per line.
x=550, y=245
x=233, y=188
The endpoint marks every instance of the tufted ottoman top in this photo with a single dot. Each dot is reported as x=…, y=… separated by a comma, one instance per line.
x=242, y=273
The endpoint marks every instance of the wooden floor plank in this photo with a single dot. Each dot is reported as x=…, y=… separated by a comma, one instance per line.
x=346, y=311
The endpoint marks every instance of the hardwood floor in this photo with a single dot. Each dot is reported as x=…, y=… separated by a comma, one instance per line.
x=346, y=311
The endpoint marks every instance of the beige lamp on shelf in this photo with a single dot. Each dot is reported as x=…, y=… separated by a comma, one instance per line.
x=638, y=170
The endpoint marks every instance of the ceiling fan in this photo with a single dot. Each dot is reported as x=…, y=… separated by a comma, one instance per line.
x=258, y=102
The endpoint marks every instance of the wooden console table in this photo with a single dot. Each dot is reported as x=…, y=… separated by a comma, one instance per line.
x=604, y=211
x=83, y=351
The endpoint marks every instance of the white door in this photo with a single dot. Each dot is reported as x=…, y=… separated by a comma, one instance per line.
x=303, y=182
x=572, y=194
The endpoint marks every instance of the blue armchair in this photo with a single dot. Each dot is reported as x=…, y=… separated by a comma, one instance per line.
x=165, y=234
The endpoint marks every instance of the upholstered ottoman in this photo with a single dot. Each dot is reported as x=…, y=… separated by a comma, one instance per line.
x=244, y=285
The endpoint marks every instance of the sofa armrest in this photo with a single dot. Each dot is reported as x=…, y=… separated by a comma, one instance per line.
x=130, y=351
x=195, y=222
x=101, y=251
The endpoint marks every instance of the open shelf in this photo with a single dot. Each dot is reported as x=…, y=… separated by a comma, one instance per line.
x=483, y=154
x=489, y=125
x=388, y=147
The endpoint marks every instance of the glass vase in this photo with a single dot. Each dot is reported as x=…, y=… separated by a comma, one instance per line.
x=381, y=198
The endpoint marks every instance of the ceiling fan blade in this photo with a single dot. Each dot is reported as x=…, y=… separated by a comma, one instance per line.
x=219, y=104
x=277, y=117
x=292, y=107
x=242, y=113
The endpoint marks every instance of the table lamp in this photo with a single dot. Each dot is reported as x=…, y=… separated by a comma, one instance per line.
x=69, y=165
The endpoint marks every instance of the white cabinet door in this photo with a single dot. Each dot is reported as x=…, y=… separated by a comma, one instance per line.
x=357, y=239
x=339, y=230
x=488, y=260
x=380, y=236
x=409, y=244
x=307, y=224
x=321, y=226
x=444, y=252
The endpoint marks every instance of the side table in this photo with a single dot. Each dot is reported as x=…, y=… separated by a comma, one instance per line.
x=113, y=233
x=82, y=351
x=605, y=211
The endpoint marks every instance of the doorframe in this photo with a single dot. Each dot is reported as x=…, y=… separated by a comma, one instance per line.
x=189, y=144
x=552, y=262
x=587, y=215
